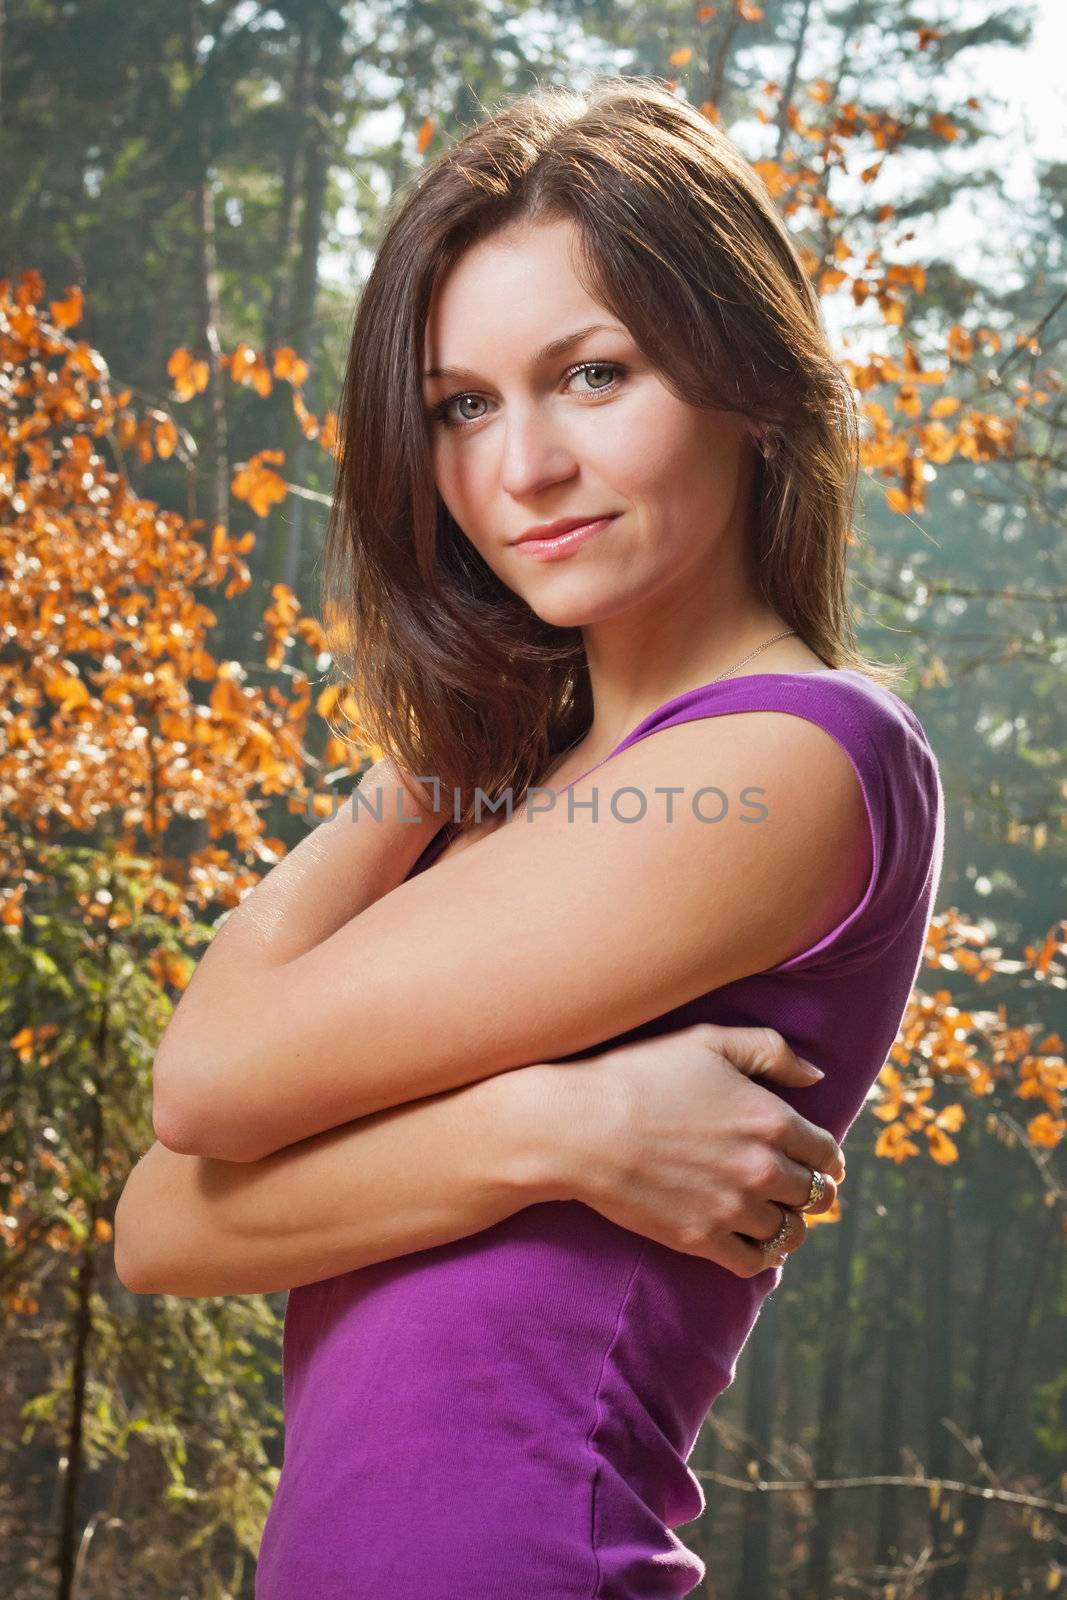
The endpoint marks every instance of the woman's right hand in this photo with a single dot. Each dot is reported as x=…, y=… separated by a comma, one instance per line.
x=679, y=1144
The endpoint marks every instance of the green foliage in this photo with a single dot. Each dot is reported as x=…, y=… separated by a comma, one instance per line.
x=179, y=1399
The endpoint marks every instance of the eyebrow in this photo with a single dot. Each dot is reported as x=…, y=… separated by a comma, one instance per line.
x=555, y=347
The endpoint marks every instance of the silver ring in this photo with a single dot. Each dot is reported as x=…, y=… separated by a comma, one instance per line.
x=779, y=1238
x=815, y=1193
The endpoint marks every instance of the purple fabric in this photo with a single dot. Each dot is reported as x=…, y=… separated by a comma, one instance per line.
x=512, y=1414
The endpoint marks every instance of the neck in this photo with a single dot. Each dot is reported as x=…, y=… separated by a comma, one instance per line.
x=622, y=698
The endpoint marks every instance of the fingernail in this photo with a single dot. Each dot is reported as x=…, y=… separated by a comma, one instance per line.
x=811, y=1067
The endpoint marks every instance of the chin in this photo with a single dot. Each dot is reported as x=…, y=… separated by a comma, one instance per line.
x=581, y=607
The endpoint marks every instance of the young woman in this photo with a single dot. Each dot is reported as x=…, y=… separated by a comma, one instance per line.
x=565, y=1203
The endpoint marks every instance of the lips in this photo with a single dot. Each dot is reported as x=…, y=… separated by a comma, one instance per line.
x=552, y=530
x=561, y=546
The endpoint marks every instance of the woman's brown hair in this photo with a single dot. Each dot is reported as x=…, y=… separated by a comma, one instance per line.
x=676, y=234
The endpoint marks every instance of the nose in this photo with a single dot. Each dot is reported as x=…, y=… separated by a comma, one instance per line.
x=535, y=454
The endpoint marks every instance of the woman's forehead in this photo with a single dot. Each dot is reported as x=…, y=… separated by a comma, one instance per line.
x=523, y=302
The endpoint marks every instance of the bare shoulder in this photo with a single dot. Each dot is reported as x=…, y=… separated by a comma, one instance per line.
x=710, y=850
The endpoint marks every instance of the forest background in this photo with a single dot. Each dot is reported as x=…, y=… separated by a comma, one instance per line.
x=190, y=195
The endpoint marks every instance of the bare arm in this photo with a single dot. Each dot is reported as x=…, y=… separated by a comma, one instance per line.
x=541, y=942
x=406, y=1179
x=665, y=1137
x=332, y=876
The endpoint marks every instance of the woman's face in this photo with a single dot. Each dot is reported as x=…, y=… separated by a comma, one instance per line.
x=519, y=441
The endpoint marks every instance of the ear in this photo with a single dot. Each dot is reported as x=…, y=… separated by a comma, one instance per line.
x=767, y=440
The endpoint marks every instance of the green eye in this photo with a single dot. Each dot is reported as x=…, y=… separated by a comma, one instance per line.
x=440, y=412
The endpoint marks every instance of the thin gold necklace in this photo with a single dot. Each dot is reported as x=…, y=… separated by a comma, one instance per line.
x=789, y=633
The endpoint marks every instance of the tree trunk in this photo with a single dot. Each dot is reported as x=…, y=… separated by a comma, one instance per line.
x=756, y=1525
x=83, y=1325
x=789, y=87
x=1047, y=1244
x=896, y=1264
x=717, y=74
x=940, y=1290
x=852, y=23
x=72, y=1475
x=207, y=293
x=819, y=1574
x=321, y=143
x=276, y=331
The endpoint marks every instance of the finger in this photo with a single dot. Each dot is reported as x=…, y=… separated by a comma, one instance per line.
x=741, y=1257
x=813, y=1147
x=796, y=1187
x=737, y=1252
x=752, y=1260
x=761, y=1052
x=761, y=1220
x=789, y=1183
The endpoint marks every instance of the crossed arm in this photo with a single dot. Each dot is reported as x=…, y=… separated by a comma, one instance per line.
x=403, y=1179
x=538, y=942
x=398, y=1181
x=445, y=1144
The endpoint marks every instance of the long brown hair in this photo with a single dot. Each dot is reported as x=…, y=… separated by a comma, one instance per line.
x=676, y=234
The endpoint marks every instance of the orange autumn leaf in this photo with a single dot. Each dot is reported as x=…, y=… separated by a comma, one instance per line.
x=67, y=312
x=191, y=374
x=308, y=422
x=679, y=58
x=1046, y=1132
x=288, y=365
x=11, y=908
x=941, y=125
x=328, y=699
x=247, y=367
x=227, y=697
x=959, y=344
x=68, y=691
x=22, y=1044
x=30, y=288
x=328, y=432
x=952, y=1117
x=894, y=1144
x=165, y=438
x=944, y=406
x=943, y=1150
x=424, y=135
x=168, y=967
x=258, y=484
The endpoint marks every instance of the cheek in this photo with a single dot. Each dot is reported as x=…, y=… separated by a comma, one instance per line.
x=656, y=446
x=463, y=501
x=693, y=461
x=657, y=471
x=459, y=482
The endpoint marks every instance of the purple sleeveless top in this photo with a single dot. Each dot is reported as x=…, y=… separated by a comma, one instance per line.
x=512, y=1413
